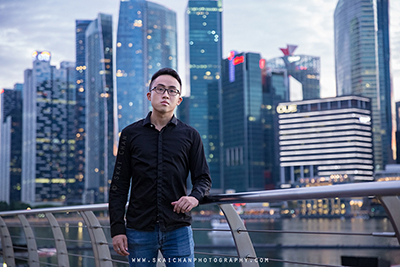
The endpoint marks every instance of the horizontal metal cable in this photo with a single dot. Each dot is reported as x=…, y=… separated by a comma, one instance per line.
x=380, y=234
x=80, y=255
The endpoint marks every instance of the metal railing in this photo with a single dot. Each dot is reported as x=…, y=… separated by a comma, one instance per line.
x=386, y=192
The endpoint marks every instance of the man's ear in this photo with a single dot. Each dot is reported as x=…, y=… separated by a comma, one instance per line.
x=179, y=101
x=149, y=96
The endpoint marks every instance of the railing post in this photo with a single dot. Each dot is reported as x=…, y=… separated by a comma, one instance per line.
x=6, y=243
x=30, y=242
x=392, y=207
x=244, y=246
x=62, y=253
x=101, y=250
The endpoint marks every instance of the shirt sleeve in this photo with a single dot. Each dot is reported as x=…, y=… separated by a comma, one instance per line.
x=200, y=173
x=119, y=187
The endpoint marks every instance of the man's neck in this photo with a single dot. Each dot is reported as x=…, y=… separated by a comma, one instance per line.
x=159, y=120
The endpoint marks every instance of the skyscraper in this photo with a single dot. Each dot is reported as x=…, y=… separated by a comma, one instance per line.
x=99, y=141
x=47, y=139
x=275, y=84
x=146, y=42
x=80, y=109
x=241, y=122
x=362, y=64
x=204, y=52
x=303, y=72
x=10, y=143
x=328, y=138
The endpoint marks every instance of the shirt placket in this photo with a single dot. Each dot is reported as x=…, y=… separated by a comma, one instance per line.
x=159, y=175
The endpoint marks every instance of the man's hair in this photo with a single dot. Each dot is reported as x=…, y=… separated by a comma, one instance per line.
x=166, y=71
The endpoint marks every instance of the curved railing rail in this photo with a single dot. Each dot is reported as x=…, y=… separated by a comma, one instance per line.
x=387, y=192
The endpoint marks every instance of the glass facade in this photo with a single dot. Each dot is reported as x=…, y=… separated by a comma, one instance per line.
x=362, y=64
x=204, y=49
x=241, y=122
x=304, y=69
x=48, y=137
x=329, y=138
x=99, y=144
x=10, y=143
x=80, y=111
x=275, y=90
x=146, y=42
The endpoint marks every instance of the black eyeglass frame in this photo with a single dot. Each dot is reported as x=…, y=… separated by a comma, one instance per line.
x=161, y=90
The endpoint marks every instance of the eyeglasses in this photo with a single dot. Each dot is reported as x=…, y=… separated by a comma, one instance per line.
x=161, y=90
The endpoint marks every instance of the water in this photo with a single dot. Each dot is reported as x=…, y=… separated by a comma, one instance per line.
x=293, y=247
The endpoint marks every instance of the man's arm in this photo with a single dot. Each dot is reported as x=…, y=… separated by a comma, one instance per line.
x=200, y=173
x=119, y=187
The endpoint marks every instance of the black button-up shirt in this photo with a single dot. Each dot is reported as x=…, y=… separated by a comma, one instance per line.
x=156, y=164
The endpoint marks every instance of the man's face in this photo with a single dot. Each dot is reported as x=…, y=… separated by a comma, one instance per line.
x=164, y=103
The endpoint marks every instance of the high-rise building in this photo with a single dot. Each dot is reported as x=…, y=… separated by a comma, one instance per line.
x=10, y=143
x=275, y=84
x=242, y=122
x=146, y=42
x=303, y=72
x=204, y=56
x=328, y=138
x=99, y=141
x=80, y=110
x=48, y=140
x=362, y=64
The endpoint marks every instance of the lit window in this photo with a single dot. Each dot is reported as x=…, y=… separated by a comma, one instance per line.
x=204, y=23
x=202, y=51
x=130, y=44
x=119, y=44
x=149, y=37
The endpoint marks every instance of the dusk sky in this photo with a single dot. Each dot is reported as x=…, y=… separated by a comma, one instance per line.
x=260, y=26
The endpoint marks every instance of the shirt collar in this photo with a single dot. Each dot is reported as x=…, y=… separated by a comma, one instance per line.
x=147, y=120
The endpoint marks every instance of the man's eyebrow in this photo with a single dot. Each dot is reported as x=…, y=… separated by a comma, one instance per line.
x=170, y=87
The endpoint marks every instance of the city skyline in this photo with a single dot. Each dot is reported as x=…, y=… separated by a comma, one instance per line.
x=28, y=26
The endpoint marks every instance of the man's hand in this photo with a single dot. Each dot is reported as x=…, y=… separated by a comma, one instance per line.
x=120, y=244
x=185, y=204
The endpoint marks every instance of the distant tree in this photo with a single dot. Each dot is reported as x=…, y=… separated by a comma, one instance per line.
x=4, y=206
x=19, y=205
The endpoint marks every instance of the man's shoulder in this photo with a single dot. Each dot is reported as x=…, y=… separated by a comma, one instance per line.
x=187, y=129
x=185, y=126
x=133, y=126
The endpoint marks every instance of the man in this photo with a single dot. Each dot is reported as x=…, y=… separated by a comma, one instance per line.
x=154, y=158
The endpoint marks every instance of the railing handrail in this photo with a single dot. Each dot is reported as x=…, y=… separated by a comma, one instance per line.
x=348, y=190
x=363, y=189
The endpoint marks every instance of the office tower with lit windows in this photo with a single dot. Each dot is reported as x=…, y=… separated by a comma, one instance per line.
x=275, y=84
x=328, y=139
x=48, y=138
x=362, y=56
x=10, y=143
x=99, y=141
x=80, y=110
x=303, y=72
x=204, y=52
x=242, y=123
x=146, y=42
